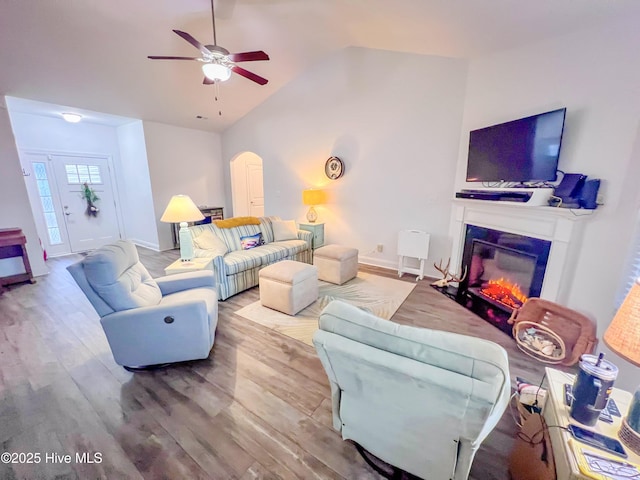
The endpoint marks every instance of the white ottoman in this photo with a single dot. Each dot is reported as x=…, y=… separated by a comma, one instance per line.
x=288, y=286
x=336, y=264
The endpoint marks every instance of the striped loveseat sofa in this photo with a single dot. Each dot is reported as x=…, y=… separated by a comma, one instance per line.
x=236, y=269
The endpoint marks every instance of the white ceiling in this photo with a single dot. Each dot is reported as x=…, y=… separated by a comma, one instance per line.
x=91, y=54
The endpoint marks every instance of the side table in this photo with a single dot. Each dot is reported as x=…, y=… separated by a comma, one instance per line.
x=12, y=244
x=193, y=265
x=557, y=413
x=317, y=229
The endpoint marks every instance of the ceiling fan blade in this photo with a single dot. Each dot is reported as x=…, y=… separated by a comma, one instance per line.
x=193, y=42
x=157, y=57
x=247, y=74
x=248, y=56
x=208, y=81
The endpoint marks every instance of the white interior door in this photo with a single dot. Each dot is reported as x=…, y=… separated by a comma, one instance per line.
x=86, y=231
x=255, y=187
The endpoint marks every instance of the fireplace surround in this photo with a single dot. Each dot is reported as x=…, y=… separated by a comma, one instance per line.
x=536, y=246
x=502, y=270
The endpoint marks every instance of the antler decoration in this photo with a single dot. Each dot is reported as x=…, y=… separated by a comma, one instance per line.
x=448, y=277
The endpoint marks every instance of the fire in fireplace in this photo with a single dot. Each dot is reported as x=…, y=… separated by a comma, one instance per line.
x=503, y=292
x=504, y=269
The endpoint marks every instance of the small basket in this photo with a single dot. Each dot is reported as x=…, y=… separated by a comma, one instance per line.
x=530, y=343
x=630, y=438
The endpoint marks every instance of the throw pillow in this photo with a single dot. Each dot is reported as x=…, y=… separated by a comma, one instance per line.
x=251, y=241
x=208, y=240
x=284, y=230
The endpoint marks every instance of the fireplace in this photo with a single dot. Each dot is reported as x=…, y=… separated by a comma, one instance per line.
x=502, y=270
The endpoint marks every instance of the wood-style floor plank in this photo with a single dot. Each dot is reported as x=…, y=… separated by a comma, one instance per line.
x=258, y=408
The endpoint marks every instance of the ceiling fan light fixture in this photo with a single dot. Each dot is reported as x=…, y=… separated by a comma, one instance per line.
x=216, y=71
x=72, y=117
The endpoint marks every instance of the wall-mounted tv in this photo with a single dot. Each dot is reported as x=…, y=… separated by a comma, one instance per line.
x=524, y=150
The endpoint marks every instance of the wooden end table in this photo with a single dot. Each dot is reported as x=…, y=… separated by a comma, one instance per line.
x=557, y=413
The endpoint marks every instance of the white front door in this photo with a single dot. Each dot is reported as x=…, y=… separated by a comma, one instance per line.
x=74, y=174
x=255, y=187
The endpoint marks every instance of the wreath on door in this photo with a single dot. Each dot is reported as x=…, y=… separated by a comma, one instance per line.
x=89, y=194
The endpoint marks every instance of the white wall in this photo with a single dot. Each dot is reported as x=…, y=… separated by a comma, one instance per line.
x=393, y=118
x=183, y=161
x=596, y=75
x=132, y=174
x=15, y=210
x=52, y=134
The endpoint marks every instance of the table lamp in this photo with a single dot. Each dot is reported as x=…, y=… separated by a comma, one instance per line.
x=312, y=197
x=623, y=337
x=181, y=209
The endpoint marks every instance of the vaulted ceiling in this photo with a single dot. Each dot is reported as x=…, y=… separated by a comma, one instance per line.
x=92, y=54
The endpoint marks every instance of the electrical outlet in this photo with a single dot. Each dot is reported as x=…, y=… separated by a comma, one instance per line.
x=600, y=199
x=379, y=248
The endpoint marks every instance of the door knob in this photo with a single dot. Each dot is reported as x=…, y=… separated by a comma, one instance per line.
x=67, y=213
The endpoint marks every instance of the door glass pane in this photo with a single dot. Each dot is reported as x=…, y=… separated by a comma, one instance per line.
x=72, y=174
x=50, y=218
x=43, y=188
x=83, y=173
x=40, y=170
x=47, y=204
x=44, y=191
x=94, y=174
x=54, y=236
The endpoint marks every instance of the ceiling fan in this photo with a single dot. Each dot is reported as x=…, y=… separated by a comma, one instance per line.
x=217, y=62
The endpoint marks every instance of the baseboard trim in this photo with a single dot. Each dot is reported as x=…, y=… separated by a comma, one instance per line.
x=378, y=262
x=141, y=243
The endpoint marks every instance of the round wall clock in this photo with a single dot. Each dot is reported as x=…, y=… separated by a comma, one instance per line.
x=334, y=168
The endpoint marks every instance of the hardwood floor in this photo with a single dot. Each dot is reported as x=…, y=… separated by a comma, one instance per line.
x=257, y=408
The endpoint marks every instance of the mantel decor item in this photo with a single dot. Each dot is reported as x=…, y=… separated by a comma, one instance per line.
x=623, y=337
x=89, y=194
x=334, y=168
x=181, y=209
x=312, y=197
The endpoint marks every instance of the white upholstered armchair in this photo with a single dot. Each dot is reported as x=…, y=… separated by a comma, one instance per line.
x=421, y=400
x=148, y=322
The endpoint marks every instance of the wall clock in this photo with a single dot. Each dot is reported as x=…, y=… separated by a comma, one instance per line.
x=334, y=168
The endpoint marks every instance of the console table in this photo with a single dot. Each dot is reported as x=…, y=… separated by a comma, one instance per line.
x=557, y=413
x=12, y=244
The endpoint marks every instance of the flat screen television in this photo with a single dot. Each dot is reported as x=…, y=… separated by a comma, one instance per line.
x=523, y=150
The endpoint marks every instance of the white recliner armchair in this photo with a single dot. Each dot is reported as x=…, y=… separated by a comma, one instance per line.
x=148, y=322
x=421, y=400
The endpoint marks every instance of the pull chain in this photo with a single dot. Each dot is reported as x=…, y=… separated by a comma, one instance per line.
x=217, y=94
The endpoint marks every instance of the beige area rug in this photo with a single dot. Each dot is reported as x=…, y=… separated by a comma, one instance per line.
x=381, y=296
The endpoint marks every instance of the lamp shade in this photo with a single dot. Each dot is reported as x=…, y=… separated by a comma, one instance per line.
x=313, y=197
x=181, y=209
x=623, y=334
x=216, y=71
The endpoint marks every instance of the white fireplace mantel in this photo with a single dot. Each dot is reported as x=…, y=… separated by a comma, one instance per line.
x=561, y=226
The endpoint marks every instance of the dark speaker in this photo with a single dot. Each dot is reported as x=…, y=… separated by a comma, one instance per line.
x=589, y=194
x=570, y=185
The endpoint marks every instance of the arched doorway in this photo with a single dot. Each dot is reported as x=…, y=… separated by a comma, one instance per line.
x=247, y=185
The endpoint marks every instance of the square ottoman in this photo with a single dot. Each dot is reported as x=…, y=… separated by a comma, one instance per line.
x=336, y=264
x=288, y=286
